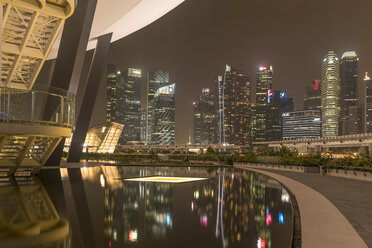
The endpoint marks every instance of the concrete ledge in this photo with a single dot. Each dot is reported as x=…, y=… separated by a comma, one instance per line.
x=352, y=174
x=322, y=224
x=293, y=168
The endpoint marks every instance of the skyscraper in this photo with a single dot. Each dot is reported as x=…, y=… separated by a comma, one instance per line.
x=279, y=103
x=156, y=80
x=367, y=104
x=205, y=118
x=330, y=95
x=234, y=107
x=163, y=116
x=114, y=89
x=160, y=108
x=313, y=96
x=349, y=92
x=131, y=113
x=264, y=76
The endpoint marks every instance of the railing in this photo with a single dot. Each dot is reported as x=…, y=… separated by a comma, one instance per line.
x=31, y=106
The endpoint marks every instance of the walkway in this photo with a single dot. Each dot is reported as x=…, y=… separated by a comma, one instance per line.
x=353, y=198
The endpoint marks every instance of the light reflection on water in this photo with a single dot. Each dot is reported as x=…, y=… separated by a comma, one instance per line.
x=231, y=208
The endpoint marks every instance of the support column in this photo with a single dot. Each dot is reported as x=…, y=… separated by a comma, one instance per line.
x=318, y=149
x=95, y=76
x=276, y=148
x=362, y=150
x=370, y=149
x=309, y=150
x=70, y=60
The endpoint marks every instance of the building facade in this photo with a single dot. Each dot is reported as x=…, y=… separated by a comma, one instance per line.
x=131, y=114
x=313, y=96
x=156, y=80
x=234, y=107
x=279, y=103
x=367, y=104
x=264, y=76
x=205, y=119
x=349, y=93
x=330, y=95
x=163, y=116
x=115, y=88
x=302, y=124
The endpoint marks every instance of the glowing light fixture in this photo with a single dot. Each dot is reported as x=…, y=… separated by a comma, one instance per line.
x=102, y=180
x=160, y=179
x=281, y=218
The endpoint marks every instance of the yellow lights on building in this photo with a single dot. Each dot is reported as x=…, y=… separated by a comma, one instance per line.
x=330, y=95
x=101, y=139
x=160, y=179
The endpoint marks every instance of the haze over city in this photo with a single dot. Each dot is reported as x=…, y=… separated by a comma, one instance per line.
x=292, y=36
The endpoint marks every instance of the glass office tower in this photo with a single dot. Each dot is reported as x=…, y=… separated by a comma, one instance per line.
x=234, y=107
x=205, y=118
x=163, y=116
x=279, y=103
x=349, y=94
x=115, y=88
x=330, y=95
x=264, y=78
x=313, y=97
x=131, y=113
x=156, y=80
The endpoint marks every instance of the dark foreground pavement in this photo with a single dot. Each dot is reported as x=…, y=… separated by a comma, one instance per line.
x=353, y=198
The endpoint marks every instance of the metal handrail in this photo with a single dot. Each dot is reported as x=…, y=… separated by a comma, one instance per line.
x=28, y=106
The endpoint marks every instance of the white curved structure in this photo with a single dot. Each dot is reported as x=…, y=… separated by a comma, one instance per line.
x=31, y=30
x=123, y=17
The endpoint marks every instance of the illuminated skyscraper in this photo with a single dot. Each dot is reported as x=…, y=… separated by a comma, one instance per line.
x=264, y=76
x=367, y=104
x=163, y=115
x=279, y=103
x=131, y=113
x=114, y=87
x=349, y=93
x=156, y=80
x=313, y=97
x=205, y=118
x=330, y=95
x=234, y=107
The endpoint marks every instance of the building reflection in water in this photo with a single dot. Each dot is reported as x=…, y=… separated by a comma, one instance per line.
x=233, y=208
x=28, y=217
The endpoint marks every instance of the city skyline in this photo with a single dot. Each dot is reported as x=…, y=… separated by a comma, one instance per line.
x=194, y=51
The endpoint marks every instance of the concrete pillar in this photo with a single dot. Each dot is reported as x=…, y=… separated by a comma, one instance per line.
x=370, y=149
x=309, y=150
x=362, y=150
x=69, y=62
x=276, y=148
x=318, y=149
x=87, y=105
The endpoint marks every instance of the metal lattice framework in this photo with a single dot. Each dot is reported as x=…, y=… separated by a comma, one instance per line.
x=29, y=29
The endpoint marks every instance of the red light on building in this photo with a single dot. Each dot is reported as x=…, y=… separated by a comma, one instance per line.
x=316, y=84
x=268, y=219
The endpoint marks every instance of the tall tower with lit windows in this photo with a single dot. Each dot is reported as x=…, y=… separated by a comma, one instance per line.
x=114, y=87
x=264, y=79
x=330, y=95
x=350, y=112
x=234, y=94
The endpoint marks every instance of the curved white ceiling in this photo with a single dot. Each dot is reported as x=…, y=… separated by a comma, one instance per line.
x=122, y=17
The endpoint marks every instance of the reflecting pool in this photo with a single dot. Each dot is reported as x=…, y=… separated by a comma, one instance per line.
x=109, y=206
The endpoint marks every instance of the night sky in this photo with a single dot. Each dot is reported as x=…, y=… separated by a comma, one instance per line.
x=195, y=41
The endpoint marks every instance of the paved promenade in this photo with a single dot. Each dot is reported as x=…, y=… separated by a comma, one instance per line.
x=353, y=198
